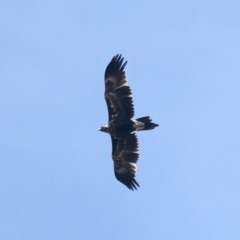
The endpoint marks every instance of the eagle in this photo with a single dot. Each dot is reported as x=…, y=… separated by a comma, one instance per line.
x=121, y=125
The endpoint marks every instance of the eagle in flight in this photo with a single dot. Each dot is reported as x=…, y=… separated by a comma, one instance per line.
x=120, y=124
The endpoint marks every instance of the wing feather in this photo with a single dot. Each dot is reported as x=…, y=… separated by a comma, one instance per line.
x=117, y=94
x=125, y=157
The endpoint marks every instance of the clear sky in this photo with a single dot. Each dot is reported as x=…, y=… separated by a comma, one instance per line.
x=56, y=171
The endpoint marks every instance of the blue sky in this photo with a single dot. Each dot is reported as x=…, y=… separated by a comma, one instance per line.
x=56, y=172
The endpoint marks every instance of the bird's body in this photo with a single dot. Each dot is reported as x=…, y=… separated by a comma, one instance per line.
x=118, y=128
x=120, y=125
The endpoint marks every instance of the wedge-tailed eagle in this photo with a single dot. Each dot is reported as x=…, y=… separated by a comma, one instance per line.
x=120, y=124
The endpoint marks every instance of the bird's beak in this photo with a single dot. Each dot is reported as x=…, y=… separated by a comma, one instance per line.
x=99, y=129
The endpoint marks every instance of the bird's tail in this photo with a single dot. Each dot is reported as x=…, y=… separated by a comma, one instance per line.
x=144, y=123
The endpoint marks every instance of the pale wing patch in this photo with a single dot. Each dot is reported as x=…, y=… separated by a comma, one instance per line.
x=133, y=168
x=116, y=83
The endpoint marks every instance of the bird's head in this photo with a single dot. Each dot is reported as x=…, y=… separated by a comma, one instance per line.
x=104, y=128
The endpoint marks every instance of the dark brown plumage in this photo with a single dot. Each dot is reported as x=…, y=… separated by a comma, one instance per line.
x=120, y=124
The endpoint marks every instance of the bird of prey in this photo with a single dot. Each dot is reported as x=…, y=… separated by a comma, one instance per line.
x=120, y=124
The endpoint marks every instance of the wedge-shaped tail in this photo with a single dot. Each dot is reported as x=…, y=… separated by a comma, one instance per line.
x=144, y=123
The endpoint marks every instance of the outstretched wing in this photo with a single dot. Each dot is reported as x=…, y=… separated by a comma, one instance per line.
x=125, y=157
x=117, y=93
